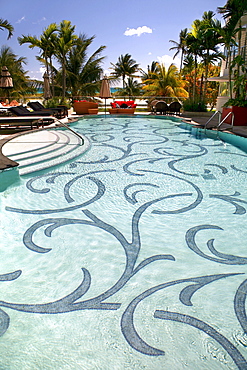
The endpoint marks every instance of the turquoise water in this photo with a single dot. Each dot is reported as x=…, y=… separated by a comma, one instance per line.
x=131, y=257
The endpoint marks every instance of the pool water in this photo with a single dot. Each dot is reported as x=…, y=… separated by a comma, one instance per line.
x=131, y=257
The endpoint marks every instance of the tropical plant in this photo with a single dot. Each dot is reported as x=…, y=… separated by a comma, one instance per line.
x=232, y=12
x=4, y=24
x=180, y=46
x=194, y=105
x=194, y=49
x=150, y=70
x=165, y=82
x=210, y=39
x=21, y=84
x=125, y=66
x=46, y=45
x=64, y=42
x=202, y=43
x=239, y=83
x=132, y=88
x=83, y=72
x=212, y=86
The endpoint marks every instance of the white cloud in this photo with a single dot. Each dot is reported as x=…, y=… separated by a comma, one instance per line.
x=137, y=31
x=37, y=75
x=167, y=60
x=21, y=19
x=40, y=20
x=107, y=72
x=149, y=53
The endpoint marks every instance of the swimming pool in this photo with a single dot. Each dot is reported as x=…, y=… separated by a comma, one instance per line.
x=131, y=257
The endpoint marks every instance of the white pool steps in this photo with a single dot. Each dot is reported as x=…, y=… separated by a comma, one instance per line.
x=41, y=150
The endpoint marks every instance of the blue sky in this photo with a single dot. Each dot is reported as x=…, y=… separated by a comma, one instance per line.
x=141, y=28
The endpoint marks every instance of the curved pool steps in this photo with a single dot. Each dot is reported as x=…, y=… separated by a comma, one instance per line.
x=41, y=150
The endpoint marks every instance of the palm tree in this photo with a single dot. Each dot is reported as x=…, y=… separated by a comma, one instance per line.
x=181, y=45
x=125, y=66
x=4, y=24
x=194, y=46
x=188, y=72
x=46, y=45
x=83, y=72
x=210, y=37
x=150, y=70
x=64, y=42
x=15, y=67
x=232, y=11
x=165, y=82
x=132, y=88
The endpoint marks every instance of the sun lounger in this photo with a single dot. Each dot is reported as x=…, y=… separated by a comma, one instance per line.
x=59, y=112
x=23, y=111
x=25, y=121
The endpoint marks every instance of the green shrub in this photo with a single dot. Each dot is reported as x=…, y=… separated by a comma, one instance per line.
x=54, y=102
x=236, y=102
x=194, y=106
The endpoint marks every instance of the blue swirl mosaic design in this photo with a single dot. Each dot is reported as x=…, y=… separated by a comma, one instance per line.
x=163, y=174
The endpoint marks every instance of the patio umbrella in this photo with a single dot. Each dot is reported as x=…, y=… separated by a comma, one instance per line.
x=47, y=90
x=105, y=91
x=6, y=81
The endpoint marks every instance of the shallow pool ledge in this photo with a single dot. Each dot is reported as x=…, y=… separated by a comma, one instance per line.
x=5, y=162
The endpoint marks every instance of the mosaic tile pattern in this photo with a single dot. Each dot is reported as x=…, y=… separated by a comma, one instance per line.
x=162, y=173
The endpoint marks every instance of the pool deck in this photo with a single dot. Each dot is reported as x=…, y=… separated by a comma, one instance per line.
x=195, y=118
x=202, y=119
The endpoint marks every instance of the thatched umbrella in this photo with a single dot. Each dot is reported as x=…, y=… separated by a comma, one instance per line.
x=105, y=91
x=47, y=90
x=6, y=81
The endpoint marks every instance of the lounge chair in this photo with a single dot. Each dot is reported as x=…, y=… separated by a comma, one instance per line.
x=174, y=108
x=24, y=122
x=161, y=107
x=23, y=111
x=83, y=106
x=122, y=107
x=152, y=105
x=58, y=112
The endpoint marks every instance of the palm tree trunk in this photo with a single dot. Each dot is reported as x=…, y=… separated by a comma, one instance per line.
x=195, y=75
x=201, y=89
x=63, y=81
x=181, y=62
x=206, y=76
x=52, y=78
x=230, y=71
